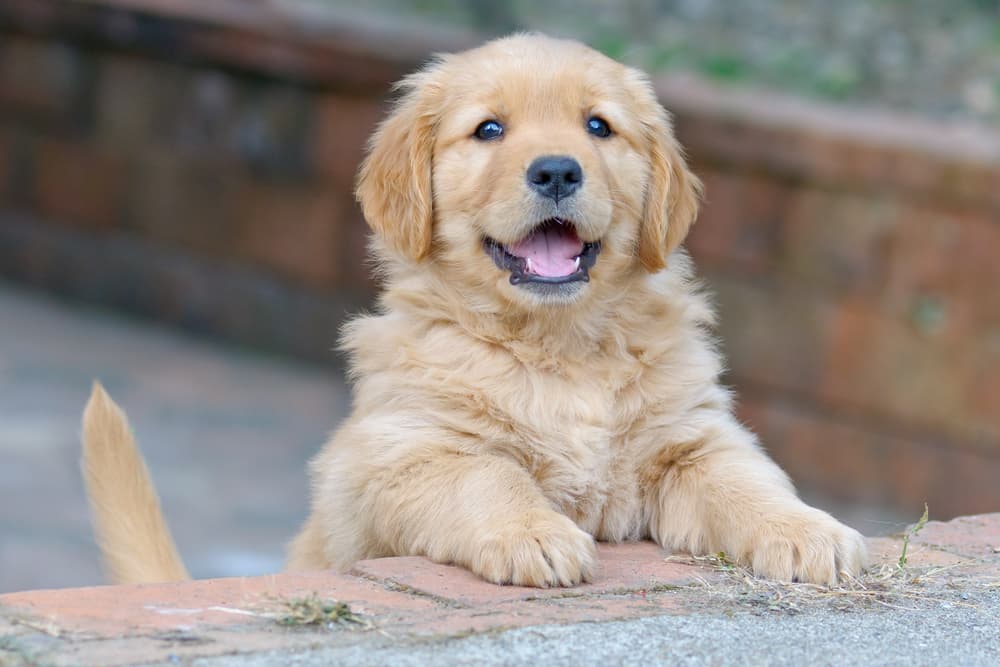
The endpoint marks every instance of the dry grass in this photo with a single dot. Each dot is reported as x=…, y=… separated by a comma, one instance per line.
x=896, y=585
x=887, y=585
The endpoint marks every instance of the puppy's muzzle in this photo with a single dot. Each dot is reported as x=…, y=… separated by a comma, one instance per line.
x=555, y=177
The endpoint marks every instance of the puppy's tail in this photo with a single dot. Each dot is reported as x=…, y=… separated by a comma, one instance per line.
x=134, y=539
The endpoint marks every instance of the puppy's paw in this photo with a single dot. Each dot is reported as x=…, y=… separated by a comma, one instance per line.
x=806, y=545
x=541, y=549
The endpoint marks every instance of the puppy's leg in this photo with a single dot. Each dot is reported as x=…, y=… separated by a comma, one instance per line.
x=719, y=492
x=483, y=512
x=307, y=551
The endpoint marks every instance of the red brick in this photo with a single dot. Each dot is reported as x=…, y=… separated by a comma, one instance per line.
x=827, y=453
x=178, y=622
x=133, y=609
x=969, y=536
x=915, y=169
x=983, y=391
x=869, y=165
x=945, y=253
x=6, y=156
x=740, y=143
x=338, y=61
x=964, y=180
x=847, y=149
x=822, y=455
x=977, y=271
x=358, y=267
x=832, y=241
x=740, y=221
x=978, y=182
x=343, y=124
x=721, y=143
x=811, y=152
x=884, y=364
x=396, y=593
x=638, y=565
x=185, y=200
x=919, y=258
x=136, y=101
x=294, y=231
x=442, y=581
x=887, y=550
x=79, y=184
x=773, y=332
x=624, y=567
x=41, y=79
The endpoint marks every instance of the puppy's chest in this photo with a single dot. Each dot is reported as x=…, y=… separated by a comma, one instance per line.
x=569, y=432
x=552, y=406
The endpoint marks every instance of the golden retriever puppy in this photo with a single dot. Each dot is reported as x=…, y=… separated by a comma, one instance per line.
x=540, y=372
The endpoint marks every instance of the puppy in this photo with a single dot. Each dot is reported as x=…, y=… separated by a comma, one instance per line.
x=540, y=372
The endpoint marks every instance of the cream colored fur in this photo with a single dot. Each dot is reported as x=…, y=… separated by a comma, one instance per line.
x=503, y=430
x=134, y=539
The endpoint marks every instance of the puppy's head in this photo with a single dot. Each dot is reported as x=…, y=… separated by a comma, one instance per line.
x=532, y=168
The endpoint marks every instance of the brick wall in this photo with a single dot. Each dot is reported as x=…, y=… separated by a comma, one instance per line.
x=195, y=163
x=853, y=255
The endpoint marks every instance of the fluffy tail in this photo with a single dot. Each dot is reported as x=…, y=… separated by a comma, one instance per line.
x=134, y=539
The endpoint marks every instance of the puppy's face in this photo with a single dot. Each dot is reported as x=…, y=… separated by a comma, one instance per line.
x=531, y=169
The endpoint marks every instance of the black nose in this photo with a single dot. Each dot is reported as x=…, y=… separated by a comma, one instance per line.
x=555, y=176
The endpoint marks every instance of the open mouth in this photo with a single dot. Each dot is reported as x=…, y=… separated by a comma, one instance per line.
x=553, y=253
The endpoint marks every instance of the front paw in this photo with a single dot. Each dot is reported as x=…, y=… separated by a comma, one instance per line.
x=541, y=549
x=807, y=545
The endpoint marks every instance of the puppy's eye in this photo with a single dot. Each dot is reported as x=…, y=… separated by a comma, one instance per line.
x=598, y=127
x=489, y=130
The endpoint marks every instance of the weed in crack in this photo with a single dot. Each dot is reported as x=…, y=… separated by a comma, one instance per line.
x=313, y=610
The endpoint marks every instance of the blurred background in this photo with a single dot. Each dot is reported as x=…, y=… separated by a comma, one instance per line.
x=176, y=219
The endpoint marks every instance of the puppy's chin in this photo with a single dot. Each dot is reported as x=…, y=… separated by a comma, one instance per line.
x=541, y=294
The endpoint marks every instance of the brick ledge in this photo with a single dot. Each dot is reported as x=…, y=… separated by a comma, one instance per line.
x=412, y=597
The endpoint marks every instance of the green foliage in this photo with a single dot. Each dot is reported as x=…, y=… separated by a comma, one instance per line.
x=725, y=67
x=612, y=45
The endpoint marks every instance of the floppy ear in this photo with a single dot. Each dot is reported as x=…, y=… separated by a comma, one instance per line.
x=672, y=195
x=394, y=183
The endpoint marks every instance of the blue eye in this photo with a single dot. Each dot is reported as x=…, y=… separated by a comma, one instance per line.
x=489, y=130
x=598, y=127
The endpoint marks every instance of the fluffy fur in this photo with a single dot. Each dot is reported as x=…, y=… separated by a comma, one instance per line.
x=135, y=540
x=503, y=428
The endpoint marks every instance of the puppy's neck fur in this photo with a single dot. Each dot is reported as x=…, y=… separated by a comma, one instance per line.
x=544, y=334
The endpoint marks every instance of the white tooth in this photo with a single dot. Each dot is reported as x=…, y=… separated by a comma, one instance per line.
x=576, y=267
x=527, y=264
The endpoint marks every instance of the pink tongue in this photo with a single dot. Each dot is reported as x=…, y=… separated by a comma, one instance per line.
x=552, y=251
